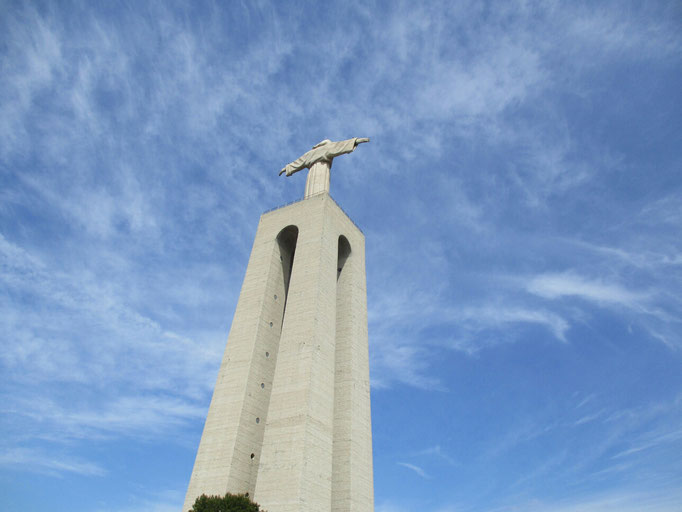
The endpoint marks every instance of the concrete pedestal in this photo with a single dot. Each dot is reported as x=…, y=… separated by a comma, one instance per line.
x=289, y=421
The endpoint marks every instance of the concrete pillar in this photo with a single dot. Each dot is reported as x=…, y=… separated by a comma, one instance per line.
x=289, y=421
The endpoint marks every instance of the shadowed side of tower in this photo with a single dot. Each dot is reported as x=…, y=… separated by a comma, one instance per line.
x=289, y=421
x=227, y=458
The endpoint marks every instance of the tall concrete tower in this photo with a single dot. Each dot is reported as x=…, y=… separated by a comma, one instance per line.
x=289, y=422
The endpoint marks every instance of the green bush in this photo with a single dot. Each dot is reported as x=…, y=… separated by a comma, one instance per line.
x=227, y=503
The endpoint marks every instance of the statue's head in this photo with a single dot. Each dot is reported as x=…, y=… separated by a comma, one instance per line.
x=321, y=143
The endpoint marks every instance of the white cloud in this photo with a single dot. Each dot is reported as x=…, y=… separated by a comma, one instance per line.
x=588, y=418
x=436, y=451
x=644, y=258
x=589, y=398
x=654, y=309
x=387, y=506
x=48, y=463
x=616, y=34
x=477, y=319
x=414, y=468
x=615, y=501
x=405, y=355
x=152, y=501
x=556, y=286
x=140, y=416
x=409, y=328
x=102, y=311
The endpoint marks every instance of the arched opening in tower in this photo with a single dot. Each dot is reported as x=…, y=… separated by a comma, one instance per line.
x=286, y=241
x=344, y=252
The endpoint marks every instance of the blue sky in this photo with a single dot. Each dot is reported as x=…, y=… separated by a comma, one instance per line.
x=521, y=199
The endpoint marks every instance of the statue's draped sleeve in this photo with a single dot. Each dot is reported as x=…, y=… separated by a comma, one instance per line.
x=342, y=147
x=298, y=164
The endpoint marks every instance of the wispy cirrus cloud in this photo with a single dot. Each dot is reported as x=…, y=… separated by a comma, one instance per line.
x=139, y=416
x=405, y=357
x=152, y=501
x=624, y=438
x=625, y=501
x=103, y=312
x=138, y=378
x=436, y=451
x=419, y=471
x=656, y=310
x=387, y=506
x=556, y=286
x=32, y=460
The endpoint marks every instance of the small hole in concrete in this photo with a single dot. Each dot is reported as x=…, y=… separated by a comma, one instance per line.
x=257, y=420
x=252, y=456
x=247, y=495
x=267, y=354
x=262, y=385
x=275, y=297
x=270, y=324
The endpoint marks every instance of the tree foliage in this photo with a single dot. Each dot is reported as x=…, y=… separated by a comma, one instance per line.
x=227, y=503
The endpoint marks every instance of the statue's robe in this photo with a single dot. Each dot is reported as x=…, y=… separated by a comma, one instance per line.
x=324, y=153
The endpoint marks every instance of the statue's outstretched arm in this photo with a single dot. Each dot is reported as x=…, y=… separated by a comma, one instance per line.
x=360, y=140
x=294, y=166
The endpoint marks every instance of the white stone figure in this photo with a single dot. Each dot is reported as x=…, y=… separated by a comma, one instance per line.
x=319, y=161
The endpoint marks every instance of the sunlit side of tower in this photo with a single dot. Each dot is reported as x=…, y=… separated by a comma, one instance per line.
x=289, y=422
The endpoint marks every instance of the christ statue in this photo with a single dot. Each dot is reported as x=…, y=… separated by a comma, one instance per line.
x=319, y=161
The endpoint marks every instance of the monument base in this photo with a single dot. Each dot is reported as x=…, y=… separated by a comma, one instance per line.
x=289, y=422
